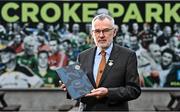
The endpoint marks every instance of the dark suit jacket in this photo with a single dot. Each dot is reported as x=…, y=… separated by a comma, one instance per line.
x=121, y=79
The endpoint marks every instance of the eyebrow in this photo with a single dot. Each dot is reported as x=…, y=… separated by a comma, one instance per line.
x=104, y=29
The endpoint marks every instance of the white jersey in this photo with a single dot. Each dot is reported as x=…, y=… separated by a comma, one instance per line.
x=19, y=80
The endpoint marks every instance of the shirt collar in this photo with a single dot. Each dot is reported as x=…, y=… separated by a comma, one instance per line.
x=108, y=50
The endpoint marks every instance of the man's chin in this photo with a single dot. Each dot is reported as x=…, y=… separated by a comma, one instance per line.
x=103, y=45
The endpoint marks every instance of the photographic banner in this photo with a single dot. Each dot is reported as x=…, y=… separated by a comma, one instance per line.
x=38, y=37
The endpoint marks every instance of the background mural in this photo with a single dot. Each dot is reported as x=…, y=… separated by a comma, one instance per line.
x=38, y=37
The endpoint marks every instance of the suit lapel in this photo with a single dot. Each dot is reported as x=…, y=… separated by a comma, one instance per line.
x=109, y=64
x=91, y=64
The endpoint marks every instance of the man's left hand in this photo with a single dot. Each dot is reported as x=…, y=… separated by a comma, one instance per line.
x=99, y=92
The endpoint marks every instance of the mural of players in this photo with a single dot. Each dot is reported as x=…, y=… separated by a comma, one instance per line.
x=49, y=76
x=15, y=75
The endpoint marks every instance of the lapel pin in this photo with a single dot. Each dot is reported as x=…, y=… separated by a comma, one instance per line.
x=110, y=62
x=77, y=67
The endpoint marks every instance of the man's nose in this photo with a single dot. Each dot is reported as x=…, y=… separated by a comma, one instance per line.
x=101, y=34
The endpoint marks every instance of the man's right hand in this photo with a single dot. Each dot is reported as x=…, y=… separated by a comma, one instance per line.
x=62, y=86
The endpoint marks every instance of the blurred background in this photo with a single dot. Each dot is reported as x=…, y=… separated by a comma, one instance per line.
x=38, y=37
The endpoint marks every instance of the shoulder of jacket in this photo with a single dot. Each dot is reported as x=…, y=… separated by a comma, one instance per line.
x=123, y=49
x=87, y=51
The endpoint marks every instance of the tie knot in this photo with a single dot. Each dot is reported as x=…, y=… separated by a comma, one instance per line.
x=103, y=53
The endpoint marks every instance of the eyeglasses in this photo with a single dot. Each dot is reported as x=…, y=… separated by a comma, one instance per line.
x=104, y=31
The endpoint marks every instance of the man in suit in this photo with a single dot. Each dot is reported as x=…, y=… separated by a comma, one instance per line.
x=119, y=80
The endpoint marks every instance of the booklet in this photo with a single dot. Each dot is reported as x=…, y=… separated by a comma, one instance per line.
x=75, y=80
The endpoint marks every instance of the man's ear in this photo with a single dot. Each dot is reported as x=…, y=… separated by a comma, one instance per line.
x=91, y=32
x=115, y=32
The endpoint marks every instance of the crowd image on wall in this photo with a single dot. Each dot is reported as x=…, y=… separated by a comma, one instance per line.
x=29, y=55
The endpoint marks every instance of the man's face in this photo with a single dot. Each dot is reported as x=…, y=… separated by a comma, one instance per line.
x=135, y=26
x=53, y=46
x=174, y=42
x=5, y=57
x=124, y=28
x=155, y=27
x=75, y=28
x=103, y=32
x=40, y=26
x=51, y=28
x=41, y=39
x=178, y=29
x=29, y=48
x=119, y=40
x=43, y=59
x=167, y=58
x=133, y=41
x=17, y=39
x=155, y=52
x=88, y=28
x=146, y=27
x=15, y=26
x=65, y=46
x=167, y=31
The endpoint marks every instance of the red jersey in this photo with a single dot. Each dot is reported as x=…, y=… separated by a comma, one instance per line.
x=58, y=60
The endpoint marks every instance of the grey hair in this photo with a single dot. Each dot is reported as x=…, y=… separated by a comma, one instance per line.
x=29, y=39
x=102, y=17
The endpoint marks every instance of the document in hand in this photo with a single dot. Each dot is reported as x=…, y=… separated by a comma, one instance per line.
x=75, y=80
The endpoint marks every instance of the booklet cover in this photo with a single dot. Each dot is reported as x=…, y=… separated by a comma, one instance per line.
x=76, y=81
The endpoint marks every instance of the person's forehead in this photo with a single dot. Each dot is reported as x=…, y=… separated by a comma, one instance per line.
x=43, y=54
x=123, y=26
x=30, y=44
x=76, y=26
x=167, y=54
x=133, y=38
x=155, y=47
x=18, y=36
x=167, y=29
x=105, y=22
x=135, y=25
x=5, y=54
x=52, y=42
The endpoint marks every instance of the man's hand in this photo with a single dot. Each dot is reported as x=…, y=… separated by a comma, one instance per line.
x=154, y=74
x=99, y=92
x=62, y=86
